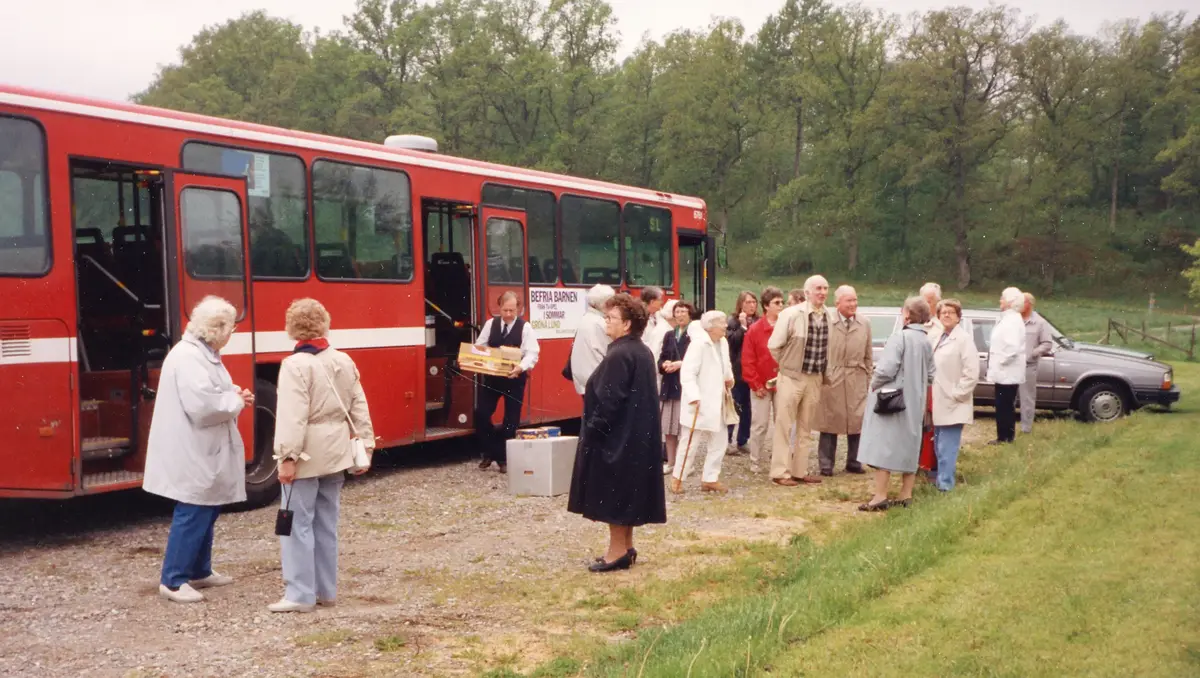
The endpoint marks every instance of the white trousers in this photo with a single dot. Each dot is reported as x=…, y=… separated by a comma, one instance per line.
x=762, y=429
x=709, y=443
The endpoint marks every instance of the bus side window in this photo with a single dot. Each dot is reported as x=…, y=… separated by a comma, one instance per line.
x=648, y=245
x=591, y=229
x=539, y=207
x=24, y=237
x=362, y=220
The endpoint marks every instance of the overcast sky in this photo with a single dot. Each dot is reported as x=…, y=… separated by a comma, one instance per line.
x=111, y=49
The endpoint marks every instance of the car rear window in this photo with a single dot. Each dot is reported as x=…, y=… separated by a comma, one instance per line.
x=882, y=327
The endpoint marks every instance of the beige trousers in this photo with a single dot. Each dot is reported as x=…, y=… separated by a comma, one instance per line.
x=796, y=402
x=762, y=425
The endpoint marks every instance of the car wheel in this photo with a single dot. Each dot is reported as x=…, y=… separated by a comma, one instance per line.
x=1103, y=401
x=262, y=485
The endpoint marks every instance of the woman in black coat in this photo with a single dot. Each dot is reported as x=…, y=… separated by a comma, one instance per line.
x=745, y=312
x=618, y=473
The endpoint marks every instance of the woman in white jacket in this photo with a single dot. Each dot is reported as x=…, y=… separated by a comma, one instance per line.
x=706, y=376
x=956, y=371
x=591, y=339
x=1006, y=363
x=195, y=453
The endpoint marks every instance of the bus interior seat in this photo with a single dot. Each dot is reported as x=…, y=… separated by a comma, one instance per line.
x=535, y=269
x=568, y=273
x=97, y=294
x=136, y=262
x=333, y=261
x=550, y=269
x=449, y=284
x=596, y=275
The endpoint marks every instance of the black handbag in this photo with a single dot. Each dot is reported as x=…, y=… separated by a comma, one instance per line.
x=283, y=519
x=889, y=402
x=567, y=373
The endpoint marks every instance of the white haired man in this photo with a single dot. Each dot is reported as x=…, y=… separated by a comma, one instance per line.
x=800, y=344
x=1039, y=342
x=844, y=397
x=194, y=454
x=591, y=339
x=931, y=292
x=1006, y=362
x=705, y=377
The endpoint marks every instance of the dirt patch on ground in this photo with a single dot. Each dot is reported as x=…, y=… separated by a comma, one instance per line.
x=442, y=574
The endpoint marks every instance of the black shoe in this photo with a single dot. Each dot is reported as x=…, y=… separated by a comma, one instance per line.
x=856, y=470
x=827, y=474
x=632, y=553
x=485, y=464
x=622, y=563
x=504, y=468
x=905, y=503
x=869, y=507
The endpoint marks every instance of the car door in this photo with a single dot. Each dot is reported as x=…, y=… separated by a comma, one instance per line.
x=981, y=332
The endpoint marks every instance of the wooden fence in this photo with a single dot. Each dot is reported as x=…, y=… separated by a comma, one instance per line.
x=1125, y=331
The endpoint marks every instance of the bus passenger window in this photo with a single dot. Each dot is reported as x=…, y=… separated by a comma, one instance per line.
x=539, y=220
x=590, y=229
x=648, y=239
x=278, y=204
x=362, y=219
x=24, y=238
x=504, y=247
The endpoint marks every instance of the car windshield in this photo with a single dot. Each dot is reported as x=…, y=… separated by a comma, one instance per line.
x=882, y=327
x=1059, y=337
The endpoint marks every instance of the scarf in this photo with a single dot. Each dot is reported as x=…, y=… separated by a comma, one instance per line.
x=313, y=346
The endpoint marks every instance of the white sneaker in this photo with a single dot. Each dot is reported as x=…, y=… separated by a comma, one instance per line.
x=285, y=605
x=212, y=580
x=667, y=468
x=754, y=468
x=185, y=594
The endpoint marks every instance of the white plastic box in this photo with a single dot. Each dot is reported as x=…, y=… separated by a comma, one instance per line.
x=541, y=467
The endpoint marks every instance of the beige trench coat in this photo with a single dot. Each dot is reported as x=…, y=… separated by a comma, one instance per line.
x=844, y=397
x=956, y=372
x=309, y=420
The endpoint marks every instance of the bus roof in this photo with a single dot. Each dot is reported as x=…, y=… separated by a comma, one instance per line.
x=277, y=136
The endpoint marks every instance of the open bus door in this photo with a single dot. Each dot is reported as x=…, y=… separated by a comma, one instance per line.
x=207, y=246
x=504, y=268
x=697, y=270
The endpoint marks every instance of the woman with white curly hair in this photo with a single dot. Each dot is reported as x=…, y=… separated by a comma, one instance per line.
x=194, y=453
x=705, y=376
x=1006, y=362
x=591, y=341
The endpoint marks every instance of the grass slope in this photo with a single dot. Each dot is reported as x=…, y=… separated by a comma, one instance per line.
x=1074, y=554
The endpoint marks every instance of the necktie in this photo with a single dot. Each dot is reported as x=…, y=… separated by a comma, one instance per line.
x=504, y=331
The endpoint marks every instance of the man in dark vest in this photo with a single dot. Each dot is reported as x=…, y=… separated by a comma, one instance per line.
x=509, y=329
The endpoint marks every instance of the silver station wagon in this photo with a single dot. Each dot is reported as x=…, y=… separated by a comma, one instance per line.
x=1101, y=383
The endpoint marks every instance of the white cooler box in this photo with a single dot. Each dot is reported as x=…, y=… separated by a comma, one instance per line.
x=541, y=467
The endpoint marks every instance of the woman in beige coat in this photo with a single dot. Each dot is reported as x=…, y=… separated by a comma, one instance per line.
x=956, y=371
x=319, y=390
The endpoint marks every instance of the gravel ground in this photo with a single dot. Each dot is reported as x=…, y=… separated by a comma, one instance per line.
x=441, y=573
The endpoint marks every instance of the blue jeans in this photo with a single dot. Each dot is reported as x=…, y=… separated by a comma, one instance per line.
x=310, y=554
x=189, y=544
x=946, y=441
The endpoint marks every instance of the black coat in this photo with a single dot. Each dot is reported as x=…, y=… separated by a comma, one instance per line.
x=618, y=475
x=672, y=350
x=736, y=334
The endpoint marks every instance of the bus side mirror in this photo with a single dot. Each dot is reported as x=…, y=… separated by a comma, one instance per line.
x=722, y=257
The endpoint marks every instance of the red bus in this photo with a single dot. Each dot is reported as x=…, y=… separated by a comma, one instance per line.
x=115, y=219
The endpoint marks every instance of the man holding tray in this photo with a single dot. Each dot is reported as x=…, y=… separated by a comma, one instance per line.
x=509, y=329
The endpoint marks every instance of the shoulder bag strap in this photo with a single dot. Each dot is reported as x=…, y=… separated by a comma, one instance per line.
x=345, y=411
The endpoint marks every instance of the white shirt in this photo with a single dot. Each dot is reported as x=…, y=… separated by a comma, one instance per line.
x=1006, y=359
x=529, y=343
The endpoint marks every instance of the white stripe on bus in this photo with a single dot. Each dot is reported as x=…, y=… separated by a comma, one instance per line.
x=28, y=351
x=432, y=162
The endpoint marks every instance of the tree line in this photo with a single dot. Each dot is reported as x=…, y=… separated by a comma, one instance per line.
x=834, y=138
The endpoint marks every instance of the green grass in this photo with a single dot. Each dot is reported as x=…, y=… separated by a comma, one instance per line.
x=1070, y=553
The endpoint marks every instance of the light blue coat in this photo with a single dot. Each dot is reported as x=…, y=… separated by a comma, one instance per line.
x=194, y=453
x=892, y=442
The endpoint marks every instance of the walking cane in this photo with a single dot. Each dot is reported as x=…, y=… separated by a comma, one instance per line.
x=677, y=483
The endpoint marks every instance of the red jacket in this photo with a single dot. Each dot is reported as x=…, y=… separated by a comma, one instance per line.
x=757, y=364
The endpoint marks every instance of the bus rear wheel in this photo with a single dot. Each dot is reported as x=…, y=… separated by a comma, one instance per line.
x=262, y=483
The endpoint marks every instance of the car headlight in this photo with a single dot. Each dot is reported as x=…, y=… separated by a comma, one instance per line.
x=1167, y=381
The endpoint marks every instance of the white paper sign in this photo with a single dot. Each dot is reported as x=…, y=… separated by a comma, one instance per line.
x=555, y=312
x=260, y=177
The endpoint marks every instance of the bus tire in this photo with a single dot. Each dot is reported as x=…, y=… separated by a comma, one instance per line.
x=262, y=478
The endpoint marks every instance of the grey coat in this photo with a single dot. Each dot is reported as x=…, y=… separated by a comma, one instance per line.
x=892, y=442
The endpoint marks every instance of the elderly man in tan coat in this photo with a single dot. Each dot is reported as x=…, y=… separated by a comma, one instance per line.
x=844, y=398
x=800, y=344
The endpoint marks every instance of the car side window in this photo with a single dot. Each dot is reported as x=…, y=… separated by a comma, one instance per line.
x=982, y=330
x=882, y=327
